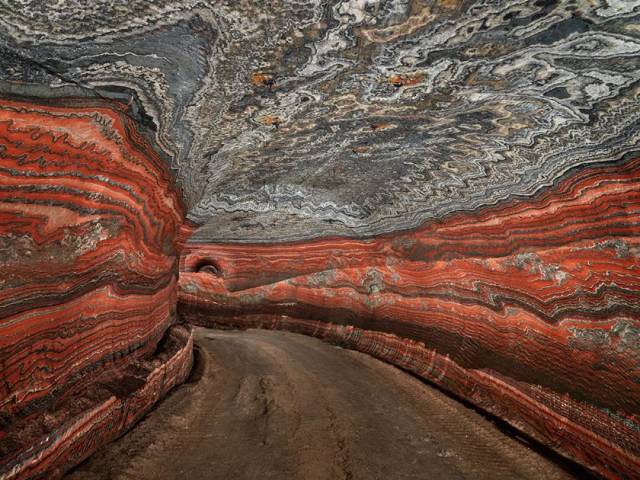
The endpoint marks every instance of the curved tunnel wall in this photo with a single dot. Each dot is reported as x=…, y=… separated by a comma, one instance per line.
x=287, y=121
x=528, y=309
x=89, y=224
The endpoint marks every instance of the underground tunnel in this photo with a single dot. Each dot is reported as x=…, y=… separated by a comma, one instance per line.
x=319, y=239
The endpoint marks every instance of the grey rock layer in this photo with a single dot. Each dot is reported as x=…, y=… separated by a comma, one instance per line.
x=294, y=119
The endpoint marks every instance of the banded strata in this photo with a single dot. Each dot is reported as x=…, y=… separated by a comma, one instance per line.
x=449, y=185
x=89, y=239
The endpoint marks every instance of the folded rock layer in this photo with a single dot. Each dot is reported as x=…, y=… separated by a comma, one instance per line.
x=528, y=309
x=449, y=185
x=89, y=225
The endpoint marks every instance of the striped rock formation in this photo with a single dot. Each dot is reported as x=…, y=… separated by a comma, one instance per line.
x=529, y=309
x=88, y=266
x=450, y=185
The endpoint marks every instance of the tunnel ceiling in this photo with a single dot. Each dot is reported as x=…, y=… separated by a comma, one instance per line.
x=296, y=119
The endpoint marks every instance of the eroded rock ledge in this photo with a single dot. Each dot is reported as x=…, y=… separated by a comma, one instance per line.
x=50, y=443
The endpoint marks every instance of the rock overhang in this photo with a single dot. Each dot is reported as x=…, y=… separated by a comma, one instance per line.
x=355, y=118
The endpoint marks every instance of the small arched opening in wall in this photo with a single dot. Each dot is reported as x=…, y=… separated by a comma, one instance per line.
x=207, y=265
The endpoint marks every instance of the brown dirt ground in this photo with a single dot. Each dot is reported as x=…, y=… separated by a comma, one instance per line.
x=275, y=405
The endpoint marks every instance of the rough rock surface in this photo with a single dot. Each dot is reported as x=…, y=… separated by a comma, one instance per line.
x=306, y=118
x=449, y=185
x=89, y=236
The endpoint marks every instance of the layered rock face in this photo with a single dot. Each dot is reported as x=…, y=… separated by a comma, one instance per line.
x=88, y=236
x=529, y=309
x=449, y=185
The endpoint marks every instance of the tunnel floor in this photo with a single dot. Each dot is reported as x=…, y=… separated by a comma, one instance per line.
x=278, y=405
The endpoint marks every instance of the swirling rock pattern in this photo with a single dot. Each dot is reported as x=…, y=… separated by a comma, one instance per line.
x=450, y=185
x=353, y=117
x=528, y=309
x=89, y=225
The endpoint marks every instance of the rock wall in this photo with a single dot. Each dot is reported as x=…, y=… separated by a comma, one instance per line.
x=460, y=176
x=89, y=225
x=528, y=309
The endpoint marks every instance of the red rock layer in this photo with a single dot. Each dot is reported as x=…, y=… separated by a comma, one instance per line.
x=529, y=309
x=111, y=404
x=89, y=227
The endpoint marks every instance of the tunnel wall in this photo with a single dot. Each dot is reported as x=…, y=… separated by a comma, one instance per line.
x=89, y=224
x=528, y=309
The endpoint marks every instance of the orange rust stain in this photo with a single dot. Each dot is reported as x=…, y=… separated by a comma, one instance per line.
x=378, y=127
x=405, y=80
x=271, y=120
x=260, y=79
x=360, y=149
x=449, y=4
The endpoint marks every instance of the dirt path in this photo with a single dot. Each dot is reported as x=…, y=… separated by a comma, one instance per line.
x=274, y=405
